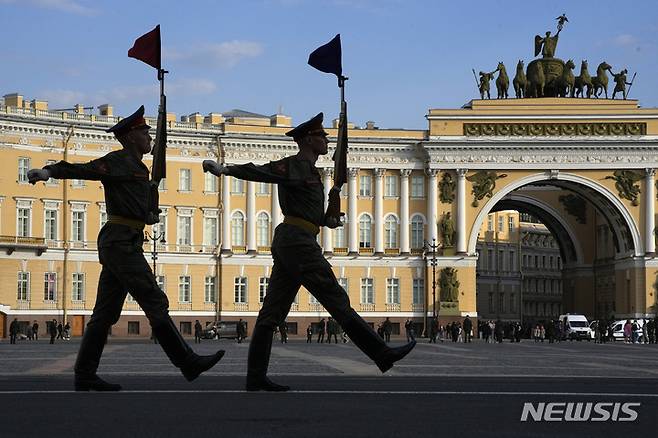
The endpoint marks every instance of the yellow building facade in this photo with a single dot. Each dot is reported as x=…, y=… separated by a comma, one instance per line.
x=214, y=262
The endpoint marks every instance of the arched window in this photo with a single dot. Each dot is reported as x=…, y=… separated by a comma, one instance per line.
x=263, y=229
x=417, y=232
x=390, y=232
x=339, y=235
x=237, y=229
x=365, y=231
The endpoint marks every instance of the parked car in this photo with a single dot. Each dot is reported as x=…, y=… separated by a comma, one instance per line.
x=618, y=328
x=576, y=326
x=221, y=329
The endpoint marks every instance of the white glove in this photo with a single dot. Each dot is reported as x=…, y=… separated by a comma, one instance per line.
x=35, y=175
x=214, y=168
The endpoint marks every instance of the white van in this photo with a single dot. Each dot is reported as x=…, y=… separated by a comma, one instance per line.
x=576, y=326
x=618, y=328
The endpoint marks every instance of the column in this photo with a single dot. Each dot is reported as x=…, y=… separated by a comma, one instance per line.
x=404, y=210
x=327, y=242
x=251, y=217
x=353, y=238
x=275, y=208
x=432, y=206
x=461, y=211
x=226, y=214
x=650, y=211
x=379, y=211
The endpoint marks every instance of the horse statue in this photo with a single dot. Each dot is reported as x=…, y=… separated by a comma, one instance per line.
x=566, y=81
x=536, y=80
x=520, y=82
x=502, y=82
x=582, y=80
x=600, y=82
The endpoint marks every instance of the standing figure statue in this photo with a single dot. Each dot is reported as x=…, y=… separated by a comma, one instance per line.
x=502, y=82
x=620, y=83
x=547, y=44
x=449, y=285
x=561, y=20
x=447, y=230
x=520, y=81
x=485, y=78
x=298, y=259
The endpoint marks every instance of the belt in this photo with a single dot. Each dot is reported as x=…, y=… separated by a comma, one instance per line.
x=133, y=223
x=301, y=223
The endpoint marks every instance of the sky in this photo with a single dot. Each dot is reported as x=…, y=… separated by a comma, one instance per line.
x=402, y=57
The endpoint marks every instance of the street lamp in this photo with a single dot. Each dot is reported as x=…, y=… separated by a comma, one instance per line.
x=434, y=246
x=155, y=238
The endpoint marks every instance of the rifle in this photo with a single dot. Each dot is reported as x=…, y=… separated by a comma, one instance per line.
x=159, y=151
x=339, y=157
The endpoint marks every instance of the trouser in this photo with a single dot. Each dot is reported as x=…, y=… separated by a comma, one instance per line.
x=467, y=336
x=197, y=339
x=125, y=270
x=298, y=261
x=309, y=338
x=12, y=339
x=52, y=339
x=320, y=337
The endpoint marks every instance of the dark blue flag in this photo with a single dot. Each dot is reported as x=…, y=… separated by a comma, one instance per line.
x=327, y=58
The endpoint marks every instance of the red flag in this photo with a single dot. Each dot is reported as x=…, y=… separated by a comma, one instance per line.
x=147, y=48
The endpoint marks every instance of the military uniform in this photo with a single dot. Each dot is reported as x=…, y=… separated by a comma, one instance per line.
x=129, y=199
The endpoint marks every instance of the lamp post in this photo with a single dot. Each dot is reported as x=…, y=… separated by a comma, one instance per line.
x=433, y=247
x=155, y=238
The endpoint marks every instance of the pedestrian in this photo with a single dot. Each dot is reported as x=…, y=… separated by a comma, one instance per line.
x=60, y=330
x=131, y=204
x=298, y=259
x=388, y=329
x=35, y=330
x=283, y=331
x=321, y=328
x=242, y=330
x=468, y=329
x=335, y=328
x=67, y=331
x=309, y=334
x=13, y=331
x=52, y=330
x=434, y=329
x=198, y=330
x=628, y=331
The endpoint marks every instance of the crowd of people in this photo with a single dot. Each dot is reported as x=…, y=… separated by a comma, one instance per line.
x=30, y=332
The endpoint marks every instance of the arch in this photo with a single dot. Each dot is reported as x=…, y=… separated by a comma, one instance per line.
x=422, y=216
x=638, y=247
x=577, y=247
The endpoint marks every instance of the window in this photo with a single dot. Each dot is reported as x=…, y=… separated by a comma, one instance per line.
x=51, y=181
x=210, y=224
x=184, y=289
x=342, y=282
x=491, y=302
x=391, y=186
x=23, y=215
x=78, y=229
x=365, y=224
x=263, y=283
x=551, y=262
x=23, y=167
x=501, y=223
x=263, y=229
x=512, y=303
x=50, y=286
x=510, y=223
x=77, y=183
x=102, y=215
x=312, y=299
x=237, y=229
x=512, y=260
x=339, y=235
x=78, y=287
x=262, y=188
x=240, y=289
x=490, y=223
x=393, y=291
x=501, y=303
x=417, y=232
x=210, y=183
x=391, y=232
x=186, y=327
x=130, y=299
x=23, y=286
x=237, y=186
x=525, y=261
x=160, y=279
x=50, y=225
x=163, y=185
x=417, y=186
x=184, y=228
x=367, y=291
x=160, y=228
x=536, y=265
x=133, y=327
x=185, y=180
x=490, y=260
x=209, y=289
x=365, y=185
x=501, y=260
x=418, y=291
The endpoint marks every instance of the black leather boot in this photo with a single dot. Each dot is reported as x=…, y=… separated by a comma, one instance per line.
x=180, y=353
x=89, y=356
x=386, y=360
x=260, y=348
